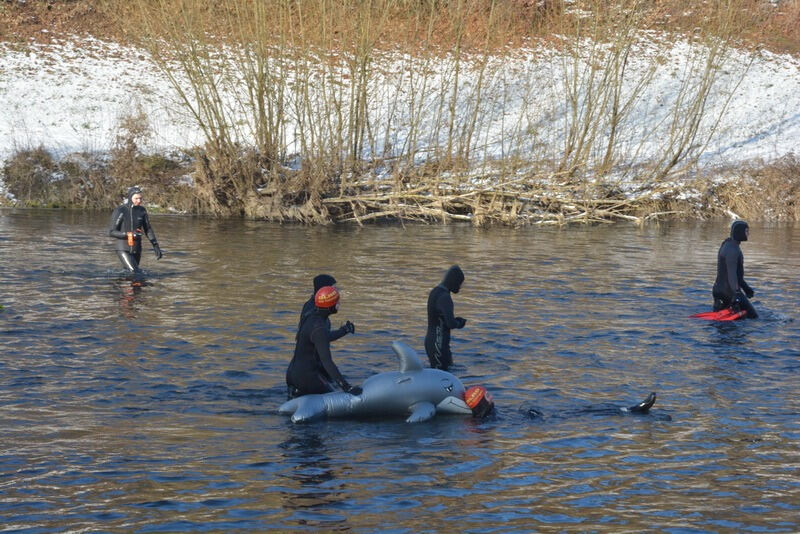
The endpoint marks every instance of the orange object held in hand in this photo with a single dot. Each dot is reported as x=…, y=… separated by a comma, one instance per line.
x=130, y=239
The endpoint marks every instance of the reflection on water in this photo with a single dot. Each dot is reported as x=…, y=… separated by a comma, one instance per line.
x=149, y=405
x=314, y=488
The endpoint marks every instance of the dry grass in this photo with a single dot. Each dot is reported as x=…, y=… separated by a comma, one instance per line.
x=29, y=176
x=774, y=27
x=759, y=191
x=90, y=181
x=753, y=192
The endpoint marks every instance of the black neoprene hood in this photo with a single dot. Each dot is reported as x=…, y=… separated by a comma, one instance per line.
x=739, y=231
x=323, y=280
x=453, y=279
x=135, y=190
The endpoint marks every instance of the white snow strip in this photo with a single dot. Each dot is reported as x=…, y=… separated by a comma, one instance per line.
x=70, y=97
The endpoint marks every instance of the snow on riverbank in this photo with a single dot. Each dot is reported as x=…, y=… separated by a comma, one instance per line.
x=70, y=97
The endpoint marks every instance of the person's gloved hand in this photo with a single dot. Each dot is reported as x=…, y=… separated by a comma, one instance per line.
x=354, y=390
x=157, y=251
x=461, y=322
x=749, y=292
x=349, y=327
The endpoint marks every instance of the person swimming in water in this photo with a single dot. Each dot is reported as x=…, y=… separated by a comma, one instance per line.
x=129, y=223
x=441, y=319
x=312, y=369
x=730, y=288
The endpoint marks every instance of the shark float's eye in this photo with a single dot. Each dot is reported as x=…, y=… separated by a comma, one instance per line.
x=447, y=385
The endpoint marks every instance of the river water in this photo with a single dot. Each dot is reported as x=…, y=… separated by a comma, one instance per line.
x=152, y=408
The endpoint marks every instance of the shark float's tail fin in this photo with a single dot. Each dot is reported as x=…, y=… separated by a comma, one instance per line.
x=645, y=405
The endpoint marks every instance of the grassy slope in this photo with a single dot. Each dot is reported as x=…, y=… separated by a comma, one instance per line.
x=777, y=28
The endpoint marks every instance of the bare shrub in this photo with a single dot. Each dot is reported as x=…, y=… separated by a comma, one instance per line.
x=36, y=178
x=760, y=192
x=32, y=176
x=87, y=181
x=304, y=81
x=132, y=131
x=161, y=176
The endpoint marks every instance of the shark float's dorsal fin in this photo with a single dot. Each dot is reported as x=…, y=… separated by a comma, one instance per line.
x=409, y=360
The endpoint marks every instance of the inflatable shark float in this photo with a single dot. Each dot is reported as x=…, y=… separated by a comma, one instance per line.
x=414, y=391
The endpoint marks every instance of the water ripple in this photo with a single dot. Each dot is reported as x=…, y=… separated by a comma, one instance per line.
x=152, y=407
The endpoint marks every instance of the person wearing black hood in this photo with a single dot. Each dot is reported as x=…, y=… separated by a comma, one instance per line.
x=129, y=223
x=312, y=369
x=441, y=319
x=320, y=281
x=730, y=289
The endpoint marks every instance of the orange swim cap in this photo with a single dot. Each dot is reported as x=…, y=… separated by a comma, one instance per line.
x=479, y=401
x=327, y=297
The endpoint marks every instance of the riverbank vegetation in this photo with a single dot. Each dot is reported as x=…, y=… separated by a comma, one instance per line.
x=511, y=112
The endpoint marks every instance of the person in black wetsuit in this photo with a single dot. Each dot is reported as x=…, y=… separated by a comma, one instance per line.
x=321, y=281
x=730, y=289
x=312, y=369
x=128, y=223
x=441, y=319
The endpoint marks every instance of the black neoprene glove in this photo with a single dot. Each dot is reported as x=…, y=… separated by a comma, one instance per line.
x=353, y=390
x=349, y=327
x=461, y=322
x=157, y=251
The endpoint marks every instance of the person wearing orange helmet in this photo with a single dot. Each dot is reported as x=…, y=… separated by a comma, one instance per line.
x=312, y=369
x=320, y=281
x=441, y=319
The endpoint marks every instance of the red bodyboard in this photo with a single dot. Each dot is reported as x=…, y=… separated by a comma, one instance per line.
x=728, y=314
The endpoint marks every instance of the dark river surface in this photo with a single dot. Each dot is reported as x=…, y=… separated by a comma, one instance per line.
x=154, y=408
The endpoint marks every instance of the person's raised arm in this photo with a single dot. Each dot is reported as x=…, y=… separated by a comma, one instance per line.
x=346, y=328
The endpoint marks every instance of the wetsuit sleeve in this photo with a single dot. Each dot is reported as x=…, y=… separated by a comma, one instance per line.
x=445, y=306
x=148, y=230
x=338, y=333
x=308, y=308
x=744, y=285
x=740, y=274
x=320, y=337
x=117, y=220
x=731, y=266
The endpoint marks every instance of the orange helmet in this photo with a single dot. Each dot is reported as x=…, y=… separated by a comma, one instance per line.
x=479, y=401
x=327, y=297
